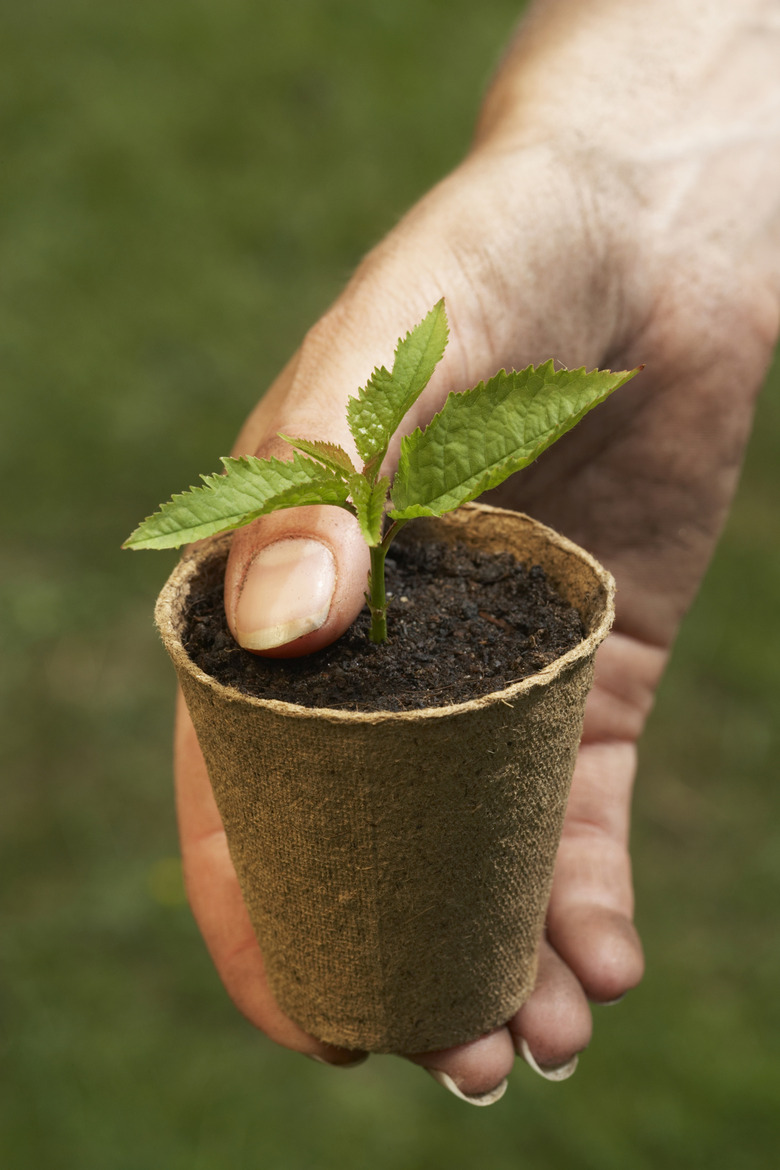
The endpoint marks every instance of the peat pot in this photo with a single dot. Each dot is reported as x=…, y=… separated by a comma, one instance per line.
x=397, y=866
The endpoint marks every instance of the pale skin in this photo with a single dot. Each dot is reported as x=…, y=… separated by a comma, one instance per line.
x=620, y=205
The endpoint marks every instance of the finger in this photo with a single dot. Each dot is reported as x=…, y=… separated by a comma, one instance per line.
x=554, y=1024
x=218, y=906
x=296, y=580
x=551, y=1028
x=602, y=948
x=590, y=914
x=474, y=1072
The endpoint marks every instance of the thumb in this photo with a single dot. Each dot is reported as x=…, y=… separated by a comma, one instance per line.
x=296, y=579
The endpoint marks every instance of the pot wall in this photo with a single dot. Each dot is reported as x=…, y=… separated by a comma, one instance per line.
x=397, y=867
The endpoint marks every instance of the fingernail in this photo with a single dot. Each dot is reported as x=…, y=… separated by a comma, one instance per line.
x=608, y=1002
x=286, y=593
x=488, y=1098
x=559, y=1072
x=361, y=1059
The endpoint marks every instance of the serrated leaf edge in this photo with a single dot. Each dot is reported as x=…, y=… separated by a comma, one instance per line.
x=364, y=495
x=331, y=455
x=499, y=472
x=374, y=454
x=213, y=482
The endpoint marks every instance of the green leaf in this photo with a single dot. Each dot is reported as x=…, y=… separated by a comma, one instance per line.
x=369, y=500
x=333, y=456
x=375, y=415
x=481, y=436
x=250, y=488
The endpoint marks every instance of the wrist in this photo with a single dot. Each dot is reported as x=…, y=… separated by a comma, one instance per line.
x=676, y=146
x=625, y=76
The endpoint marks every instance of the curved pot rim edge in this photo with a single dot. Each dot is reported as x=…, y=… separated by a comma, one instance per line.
x=191, y=559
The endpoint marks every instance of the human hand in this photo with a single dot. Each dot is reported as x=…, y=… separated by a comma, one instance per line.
x=605, y=221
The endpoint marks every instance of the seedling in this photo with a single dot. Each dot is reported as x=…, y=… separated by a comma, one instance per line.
x=478, y=439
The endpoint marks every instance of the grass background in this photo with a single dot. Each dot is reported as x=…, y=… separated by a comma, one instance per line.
x=185, y=186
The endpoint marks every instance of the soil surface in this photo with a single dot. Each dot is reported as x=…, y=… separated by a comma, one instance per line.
x=461, y=623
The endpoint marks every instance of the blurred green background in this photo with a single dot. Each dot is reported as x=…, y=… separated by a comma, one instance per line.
x=185, y=186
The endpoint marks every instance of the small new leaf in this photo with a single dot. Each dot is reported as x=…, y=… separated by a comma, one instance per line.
x=333, y=456
x=481, y=436
x=249, y=488
x=376, y=413
x=369, y=500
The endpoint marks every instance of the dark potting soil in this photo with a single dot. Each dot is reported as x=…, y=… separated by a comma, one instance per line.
x=461, y=623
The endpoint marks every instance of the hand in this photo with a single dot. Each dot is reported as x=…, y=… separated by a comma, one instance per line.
x=602, y=220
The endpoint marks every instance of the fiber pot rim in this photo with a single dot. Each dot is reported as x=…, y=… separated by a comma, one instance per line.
x=171, y=593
